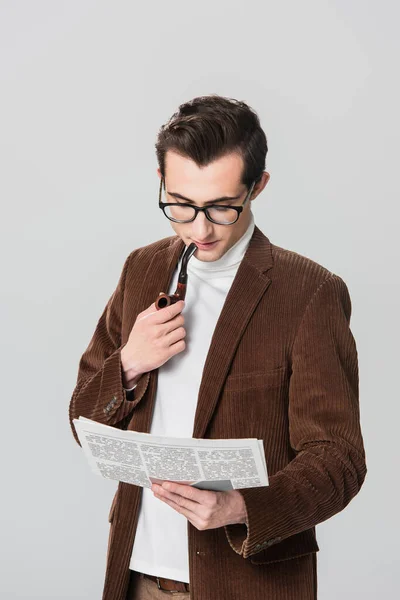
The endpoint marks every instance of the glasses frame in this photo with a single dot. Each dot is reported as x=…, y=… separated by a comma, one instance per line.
x=203, y=209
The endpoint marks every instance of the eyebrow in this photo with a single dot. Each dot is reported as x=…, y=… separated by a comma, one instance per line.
x=222, y=199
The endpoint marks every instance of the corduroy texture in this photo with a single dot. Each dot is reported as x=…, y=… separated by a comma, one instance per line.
x=282, y=366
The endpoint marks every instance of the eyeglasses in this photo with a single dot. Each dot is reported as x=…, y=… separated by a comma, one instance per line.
x=216, y=213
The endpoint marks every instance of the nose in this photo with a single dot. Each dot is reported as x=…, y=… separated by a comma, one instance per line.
x=202, y=228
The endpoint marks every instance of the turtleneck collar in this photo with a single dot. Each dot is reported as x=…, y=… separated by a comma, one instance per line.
x=230, y=259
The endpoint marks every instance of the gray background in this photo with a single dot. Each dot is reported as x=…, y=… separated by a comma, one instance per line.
x=85, y=86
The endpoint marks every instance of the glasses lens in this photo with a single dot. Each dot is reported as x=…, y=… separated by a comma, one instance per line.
x=182, y=212
x=222, y=214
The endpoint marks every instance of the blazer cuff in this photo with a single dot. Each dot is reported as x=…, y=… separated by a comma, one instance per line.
x=250, y=538
x=112, y=395
x=136, y=393
x=103, y=398
x=116, y=404
x=130, y=389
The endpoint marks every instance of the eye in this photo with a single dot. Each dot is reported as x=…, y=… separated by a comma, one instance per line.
x=221, y=209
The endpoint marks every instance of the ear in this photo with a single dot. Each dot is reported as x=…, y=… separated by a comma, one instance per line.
x=258, y=188
x=159, y=172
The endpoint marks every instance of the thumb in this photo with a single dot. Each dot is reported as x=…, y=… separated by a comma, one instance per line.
x=152, y=308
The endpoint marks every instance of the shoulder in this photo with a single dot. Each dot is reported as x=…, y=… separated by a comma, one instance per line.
x=291, y=263
x=143, y=255
x=304, y=278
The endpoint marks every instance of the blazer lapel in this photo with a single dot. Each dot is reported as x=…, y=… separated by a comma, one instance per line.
x=248, y=287
x=156, y=279
x=160, y=271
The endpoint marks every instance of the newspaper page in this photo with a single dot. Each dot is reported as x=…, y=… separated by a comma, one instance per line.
x=143, y=459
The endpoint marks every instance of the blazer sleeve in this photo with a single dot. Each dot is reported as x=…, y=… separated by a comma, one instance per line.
x=324, y=425
x=99, y=393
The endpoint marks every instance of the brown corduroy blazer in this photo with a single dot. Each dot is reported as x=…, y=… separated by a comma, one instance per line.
x=282, y=367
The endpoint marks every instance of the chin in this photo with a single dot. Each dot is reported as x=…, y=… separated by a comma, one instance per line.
x=208, y=256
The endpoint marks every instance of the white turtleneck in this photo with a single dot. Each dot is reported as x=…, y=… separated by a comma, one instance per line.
x=161, y=544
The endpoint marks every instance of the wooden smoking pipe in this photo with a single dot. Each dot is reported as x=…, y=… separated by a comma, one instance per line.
x=180, y=292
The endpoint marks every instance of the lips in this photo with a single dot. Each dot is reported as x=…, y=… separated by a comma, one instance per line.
x=205, y=246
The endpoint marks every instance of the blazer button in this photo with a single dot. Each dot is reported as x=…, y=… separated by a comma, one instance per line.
x=273, y=541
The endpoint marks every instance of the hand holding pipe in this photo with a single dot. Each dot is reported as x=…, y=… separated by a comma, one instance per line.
x=164, y=300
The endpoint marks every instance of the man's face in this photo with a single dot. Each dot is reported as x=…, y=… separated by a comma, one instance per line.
x=199, y=185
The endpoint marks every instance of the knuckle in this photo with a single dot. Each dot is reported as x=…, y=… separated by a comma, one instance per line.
x=208, y=515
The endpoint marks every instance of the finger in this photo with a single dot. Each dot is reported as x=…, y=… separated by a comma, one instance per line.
x=173, y=324
x=147, y=313
x=190, y=492
x=175, y=336
x=176, y=348
x=169, y=312
x=150, y=310
x=192, y=517
x=193, y=507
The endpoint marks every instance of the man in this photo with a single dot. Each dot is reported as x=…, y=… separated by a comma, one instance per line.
x=260, y=348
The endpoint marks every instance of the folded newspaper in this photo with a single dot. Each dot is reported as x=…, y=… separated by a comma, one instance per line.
x=143, y=459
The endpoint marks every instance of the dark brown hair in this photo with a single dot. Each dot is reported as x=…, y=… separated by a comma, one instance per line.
x=208, y=127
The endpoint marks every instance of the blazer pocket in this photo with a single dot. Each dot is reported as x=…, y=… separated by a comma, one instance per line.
x=256, y=379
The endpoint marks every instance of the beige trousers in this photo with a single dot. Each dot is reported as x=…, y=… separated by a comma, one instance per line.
x=141, y=588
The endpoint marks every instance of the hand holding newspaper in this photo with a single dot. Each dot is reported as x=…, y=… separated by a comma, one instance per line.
x=143, y=459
